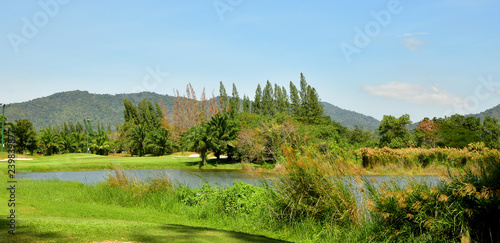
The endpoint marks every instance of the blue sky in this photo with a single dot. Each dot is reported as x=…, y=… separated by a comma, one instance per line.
x=424, y=58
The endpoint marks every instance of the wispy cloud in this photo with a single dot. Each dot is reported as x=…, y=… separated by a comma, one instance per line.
x=414, y=93
x=413, y=43
x=413, y=34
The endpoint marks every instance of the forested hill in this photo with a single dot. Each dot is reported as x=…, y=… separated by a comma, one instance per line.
x=350, y=118
x=492, y=112
x=77, y=105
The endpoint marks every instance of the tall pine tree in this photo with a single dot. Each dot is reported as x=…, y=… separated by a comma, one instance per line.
x=246, y=104
x=223, y=98
x=268, y=107
x=234, y=102
x=294, y=100
x=257, y=102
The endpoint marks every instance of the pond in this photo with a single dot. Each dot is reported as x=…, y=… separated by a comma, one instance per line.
x=189, y=177
x=193, y=177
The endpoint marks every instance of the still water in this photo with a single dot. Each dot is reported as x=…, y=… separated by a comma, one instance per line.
x=189, y=177
x=195, y=177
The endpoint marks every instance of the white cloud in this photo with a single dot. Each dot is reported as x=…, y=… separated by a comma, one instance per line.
x=412, y=34
x=413, y=43
x=414, y=93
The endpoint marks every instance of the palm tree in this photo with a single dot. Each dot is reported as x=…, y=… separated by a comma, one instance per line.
x=78, y=141
x=197, y=139
x=158, y=141
x=66, y=142
x=100, y=144
x=137, y=138
x=222, y=134
x=49, y=141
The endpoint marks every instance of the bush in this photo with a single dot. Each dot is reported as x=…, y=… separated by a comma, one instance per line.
x=239, y=199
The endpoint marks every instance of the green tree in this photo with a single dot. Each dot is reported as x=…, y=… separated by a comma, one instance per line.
x=25, y=133
x=267, y=103
x=147, y=115
x=100, y=143
x=49, y=141
x=394, y=131
x=130, y=113
x=257, y=102
x=79, y=141
x=197, y=139
x=223, y=100
x=246, y=104
x=234, y=102
x=66, y=142
x=222, y=134
x=281, y=99
x=159, y=141
x=137, y=139
x=294, y=100
x=361, y=137
x=491, y=132
x=159, y=115
x=313, y=112
x=458, y=131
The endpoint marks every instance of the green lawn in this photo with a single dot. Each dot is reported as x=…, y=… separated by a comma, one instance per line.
x=74, y=162
x=58, y=211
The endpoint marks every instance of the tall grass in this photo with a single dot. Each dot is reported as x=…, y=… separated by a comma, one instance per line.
x=421, y=158
x=464, y=207
x=312, y=188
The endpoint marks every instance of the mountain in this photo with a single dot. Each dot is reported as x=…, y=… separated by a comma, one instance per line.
x=492, y=112
x=76, y=105
x=350, y=118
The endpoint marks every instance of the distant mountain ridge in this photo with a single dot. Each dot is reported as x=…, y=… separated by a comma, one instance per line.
x=76, y=105
x=350, y=119
x=492, y=112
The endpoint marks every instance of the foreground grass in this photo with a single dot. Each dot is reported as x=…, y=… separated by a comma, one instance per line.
x=57, y=211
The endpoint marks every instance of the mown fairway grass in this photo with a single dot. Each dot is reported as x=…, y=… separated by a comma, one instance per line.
x=75, y=162
x=57, y=211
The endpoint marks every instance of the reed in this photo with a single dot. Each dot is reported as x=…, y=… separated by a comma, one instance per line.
x=312, y=188
x=462, y=207
x=409, y=158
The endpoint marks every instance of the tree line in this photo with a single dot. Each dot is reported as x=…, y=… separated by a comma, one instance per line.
x=253, y=130
x=456, y=131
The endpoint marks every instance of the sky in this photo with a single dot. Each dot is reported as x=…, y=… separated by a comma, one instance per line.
x=422, y=58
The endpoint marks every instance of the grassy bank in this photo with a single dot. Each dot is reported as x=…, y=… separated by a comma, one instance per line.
x=300, y=208
x=56, y=211
x=61, y=211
